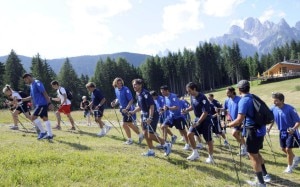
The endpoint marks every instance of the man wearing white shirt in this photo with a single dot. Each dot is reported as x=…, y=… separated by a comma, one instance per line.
x=65, y=106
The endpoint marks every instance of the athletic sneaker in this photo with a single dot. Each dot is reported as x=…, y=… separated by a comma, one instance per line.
x=107, y=129
x=149, y=153
x=167, y=149
x=193, y=156
x=267, y=178
x=186, y=147
x=199, y=146
x=48, y=137
x=173, y=139
x=101, y=133
x=58, y=127
x=288, y=170
x=128, y=142
x=141, y=138
x=209, y=160
x=14, y=127
x=296, y=161
x=42, y=135
x=256, y=183
x=243, y=152
x=226, y=143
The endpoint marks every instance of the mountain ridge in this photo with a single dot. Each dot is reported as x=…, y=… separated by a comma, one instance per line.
x=259, y=37
x=84, y=64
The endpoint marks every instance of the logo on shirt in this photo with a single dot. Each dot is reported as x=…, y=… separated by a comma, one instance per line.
x=204, y=101
x=127, y=91
x=146, y=96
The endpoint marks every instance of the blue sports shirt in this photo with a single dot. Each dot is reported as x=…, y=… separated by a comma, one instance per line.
x=246, y=107
x=124, y=95
x=145, y=100
x=285, y=117
x=200, y=104
x=170, y=101
x=96, y=96
x=232, y=106
x=36, y=92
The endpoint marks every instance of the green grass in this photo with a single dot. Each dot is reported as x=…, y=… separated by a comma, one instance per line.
x=83, y=159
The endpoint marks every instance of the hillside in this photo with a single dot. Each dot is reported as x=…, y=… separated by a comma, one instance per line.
x=85, y=64
x=80, y=158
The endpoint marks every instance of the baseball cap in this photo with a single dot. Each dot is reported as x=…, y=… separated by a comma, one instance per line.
x=243, y=84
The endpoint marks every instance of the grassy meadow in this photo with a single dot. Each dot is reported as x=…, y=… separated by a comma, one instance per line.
x=80, y=158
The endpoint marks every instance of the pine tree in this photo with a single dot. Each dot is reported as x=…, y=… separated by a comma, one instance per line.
x=14, y=71
x=68, y=79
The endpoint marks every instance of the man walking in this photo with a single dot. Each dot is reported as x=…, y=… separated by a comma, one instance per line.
x=42, y=102
x=288, y=121
x=254, y=135
x=65, y=105
x=125, y=99
x=149, y=117
x=97, y=105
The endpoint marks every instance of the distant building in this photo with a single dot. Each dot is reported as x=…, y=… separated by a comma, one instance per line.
x=283, y=69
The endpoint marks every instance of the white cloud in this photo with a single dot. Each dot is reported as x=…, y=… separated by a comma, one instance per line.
x=177, y=19
x=270, y=14
x=267, y=15
x=220, y=8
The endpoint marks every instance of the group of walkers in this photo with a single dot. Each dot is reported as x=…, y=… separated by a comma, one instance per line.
x=166, y=111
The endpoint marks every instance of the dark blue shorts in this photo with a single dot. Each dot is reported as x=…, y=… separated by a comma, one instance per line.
x=216, y=126
x=288, y=140
x=41, y=111
x=178, y=123
x=99, y=113
x=153, y=125
x=86, y=113
x=127, y=118
x=204, y=128
x=22, y=108
x=253, y=142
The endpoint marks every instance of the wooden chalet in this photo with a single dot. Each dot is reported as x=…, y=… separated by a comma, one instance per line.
x=283, y=69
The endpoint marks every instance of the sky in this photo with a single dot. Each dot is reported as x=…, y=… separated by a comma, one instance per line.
x=69, y=28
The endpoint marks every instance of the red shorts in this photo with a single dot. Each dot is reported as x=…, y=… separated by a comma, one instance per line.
x=66, y=109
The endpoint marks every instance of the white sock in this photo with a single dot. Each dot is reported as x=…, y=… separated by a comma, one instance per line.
x=38, y=123
x=129, y=139
x=195, y=151
x=48, y=127
x=150, y=150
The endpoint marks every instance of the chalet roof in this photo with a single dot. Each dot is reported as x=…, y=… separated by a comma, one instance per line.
x=283, y=63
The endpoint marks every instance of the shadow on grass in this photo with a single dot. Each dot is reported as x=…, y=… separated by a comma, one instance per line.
x=278, y=181
x=77, y=146
x=209, y=169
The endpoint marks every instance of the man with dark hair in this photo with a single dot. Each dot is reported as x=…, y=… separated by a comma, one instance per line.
x=65, y=105
x=215, y=108
x=288, y=122
x=42, y=102
x=202, y=124
x=254, y=135
x=149, y=117
x=172, y=110
x=97, y=105
x=231, y=107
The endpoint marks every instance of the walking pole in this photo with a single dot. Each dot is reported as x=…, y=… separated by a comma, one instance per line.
x=270, y=145
x=19, y=121
x=234, y=163
x=111, y=124
x=119, y=122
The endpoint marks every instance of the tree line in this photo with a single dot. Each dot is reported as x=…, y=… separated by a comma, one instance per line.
x=209, y=65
